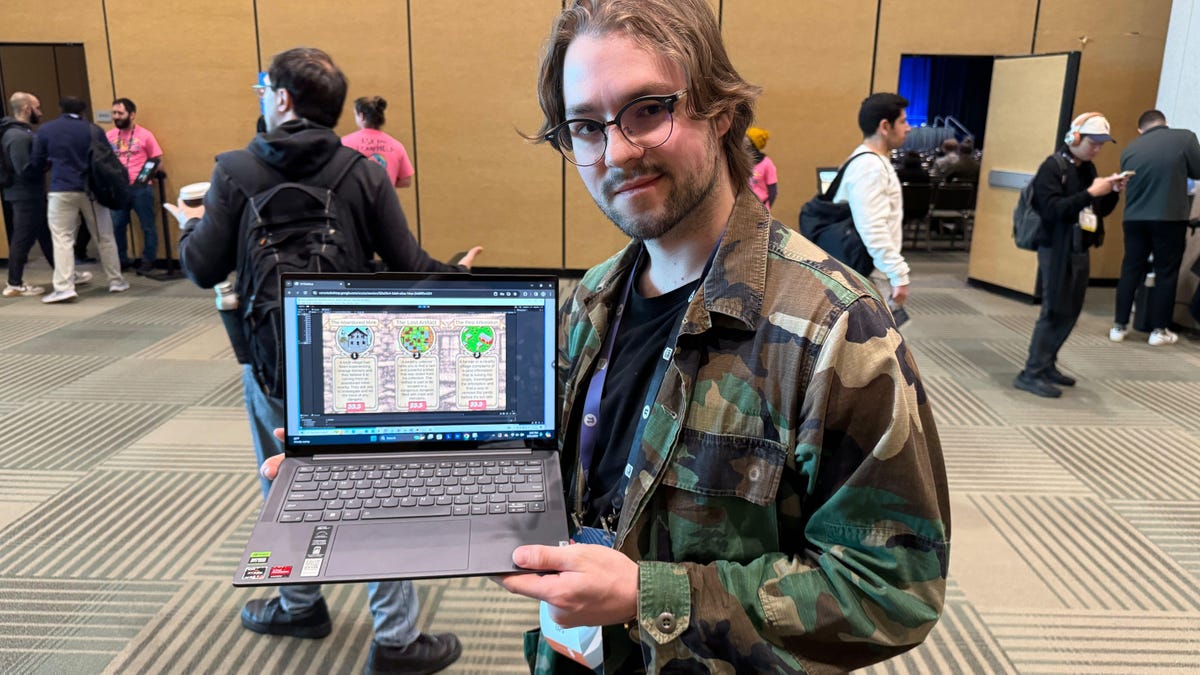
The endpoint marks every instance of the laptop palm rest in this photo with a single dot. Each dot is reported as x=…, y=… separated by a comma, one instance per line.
x=435, y=545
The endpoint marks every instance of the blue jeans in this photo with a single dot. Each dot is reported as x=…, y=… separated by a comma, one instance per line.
x=143, y=204
x=394, y=604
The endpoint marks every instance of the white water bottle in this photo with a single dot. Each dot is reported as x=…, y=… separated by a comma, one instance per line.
x=227, y=304
x=227, y=299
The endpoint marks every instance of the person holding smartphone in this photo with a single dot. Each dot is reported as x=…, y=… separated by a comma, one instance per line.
x=135, y=145
x=1159, y=162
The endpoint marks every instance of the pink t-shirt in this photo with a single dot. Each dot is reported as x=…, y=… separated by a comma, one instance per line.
x=383, y=149
x=764, y=175
x=133, y=147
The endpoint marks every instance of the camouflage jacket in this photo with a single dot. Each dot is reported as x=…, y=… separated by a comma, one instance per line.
x=789, y=512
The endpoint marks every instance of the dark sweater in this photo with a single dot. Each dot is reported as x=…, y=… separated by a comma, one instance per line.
x=63, y=143
x=1164, y=159
x=297, y=150
x=17, y=144
x=1059, y=197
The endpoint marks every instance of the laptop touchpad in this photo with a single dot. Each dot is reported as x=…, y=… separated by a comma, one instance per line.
x=392, y=550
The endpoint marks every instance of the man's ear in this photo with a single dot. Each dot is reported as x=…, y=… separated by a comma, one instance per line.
x=723, y=122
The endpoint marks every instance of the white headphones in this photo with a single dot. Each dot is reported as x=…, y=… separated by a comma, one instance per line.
x=1073, y=137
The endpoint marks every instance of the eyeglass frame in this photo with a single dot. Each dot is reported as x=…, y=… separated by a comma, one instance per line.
x=668, y=100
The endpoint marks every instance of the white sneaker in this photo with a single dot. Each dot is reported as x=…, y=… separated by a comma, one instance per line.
x=83, y=278
x=1117, y=333
x=59, y=296
x=24, y=290
x=118, y=286
x=1162, y=336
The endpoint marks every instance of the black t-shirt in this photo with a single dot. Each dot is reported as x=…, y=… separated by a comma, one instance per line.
x=642, y=336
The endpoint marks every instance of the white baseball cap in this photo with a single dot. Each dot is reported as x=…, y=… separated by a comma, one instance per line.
x=1097, y=128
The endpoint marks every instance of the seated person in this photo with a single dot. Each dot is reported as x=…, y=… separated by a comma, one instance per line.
x=910, y=170
x=966, y=169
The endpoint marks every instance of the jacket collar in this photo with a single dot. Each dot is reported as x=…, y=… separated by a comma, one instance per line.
x=736, y=283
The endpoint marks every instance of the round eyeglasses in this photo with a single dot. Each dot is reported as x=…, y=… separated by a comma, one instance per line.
x=646, y=122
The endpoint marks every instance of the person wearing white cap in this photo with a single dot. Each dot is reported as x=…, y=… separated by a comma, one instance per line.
x=1072, y=202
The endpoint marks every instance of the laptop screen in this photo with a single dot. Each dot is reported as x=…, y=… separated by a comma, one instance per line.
x=402, y=358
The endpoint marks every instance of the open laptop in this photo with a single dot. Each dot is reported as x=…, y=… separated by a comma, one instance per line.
x=421, y=416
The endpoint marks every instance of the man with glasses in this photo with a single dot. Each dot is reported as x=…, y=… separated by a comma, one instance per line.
x=301, y=98
x=756, y=481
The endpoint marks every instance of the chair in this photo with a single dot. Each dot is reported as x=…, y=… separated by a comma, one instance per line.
x=916, y=199
x=951, y=211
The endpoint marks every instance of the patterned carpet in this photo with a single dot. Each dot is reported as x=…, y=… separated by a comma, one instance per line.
x=1076, y=521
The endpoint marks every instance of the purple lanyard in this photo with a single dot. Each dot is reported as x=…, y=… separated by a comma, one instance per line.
x=589, y=432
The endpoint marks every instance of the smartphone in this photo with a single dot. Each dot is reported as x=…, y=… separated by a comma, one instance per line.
x=147, y=171
x=1126, y=174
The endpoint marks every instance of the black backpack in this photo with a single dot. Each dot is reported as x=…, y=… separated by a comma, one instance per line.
x=831, y=226
x=1027, y=222
x=286, y=226
x=8, y=174
x=108, y=181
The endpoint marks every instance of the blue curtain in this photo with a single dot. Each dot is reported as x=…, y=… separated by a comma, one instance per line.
x=916, y=75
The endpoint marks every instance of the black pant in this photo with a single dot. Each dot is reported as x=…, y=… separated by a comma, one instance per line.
x=1166, y=239
x=29, y=225
x=1064, y=283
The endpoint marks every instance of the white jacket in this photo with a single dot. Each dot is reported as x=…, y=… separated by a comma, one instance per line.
x=872, y=189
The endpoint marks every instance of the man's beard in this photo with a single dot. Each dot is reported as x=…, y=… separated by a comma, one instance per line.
x=123, y=123
x=34, y=118
x=682, y=201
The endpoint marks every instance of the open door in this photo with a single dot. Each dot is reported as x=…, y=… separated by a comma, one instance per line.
x=1029, y=112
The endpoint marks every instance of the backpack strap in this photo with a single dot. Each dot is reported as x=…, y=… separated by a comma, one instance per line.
x=837, y=182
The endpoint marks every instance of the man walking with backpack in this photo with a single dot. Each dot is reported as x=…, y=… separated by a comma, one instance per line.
x=23, y=189
x=65, y=145
x=1072, y=203
x=258, y=219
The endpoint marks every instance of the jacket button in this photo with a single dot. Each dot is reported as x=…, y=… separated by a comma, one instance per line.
x=666, y=622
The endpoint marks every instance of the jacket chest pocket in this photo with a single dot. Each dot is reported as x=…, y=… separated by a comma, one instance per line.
x=716, y=465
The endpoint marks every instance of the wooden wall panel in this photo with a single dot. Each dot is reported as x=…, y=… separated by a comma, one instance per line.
x=475, y=78
x=999, y=27
x=370, y=45
x=189, y=68
x=67, y=21
x=30, y=68
x=813, y=60
x=1122, y=45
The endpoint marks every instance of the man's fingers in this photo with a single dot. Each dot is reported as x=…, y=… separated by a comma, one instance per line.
x=534, y=557
x=270, y=467
x=530, y=585
x=278, y=433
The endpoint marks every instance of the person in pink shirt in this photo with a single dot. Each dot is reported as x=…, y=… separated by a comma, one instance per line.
x=764, y=181
x=134, y=145
x=376, y=145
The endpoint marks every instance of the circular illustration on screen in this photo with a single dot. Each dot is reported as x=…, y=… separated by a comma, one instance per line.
x=416, y=340
x=477, y=339
x=355, y=340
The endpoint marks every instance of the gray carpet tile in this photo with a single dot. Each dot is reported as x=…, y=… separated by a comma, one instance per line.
x=1087, y=555
x=50, y=435
x=66, y=626
x=1173, y=526
x=153, y=310
x=1116, y=643
x=1127, y=463
x=957, y=406
x=1177, y=401
x=203, y=341
x=227, y=395
x=221, y=560
x=973, y=327
x=152, y=526
x=95, y=339
x=932, y=304
x=940, y=357
x=961, y=643
x=34, y=486
x=31, y=376
x=1089, y=403
x=994, y=460
x=16, y=330
x=158, y=380
x=197, y=439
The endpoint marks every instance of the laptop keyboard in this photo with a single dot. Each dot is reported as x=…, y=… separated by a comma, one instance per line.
x=414, y=490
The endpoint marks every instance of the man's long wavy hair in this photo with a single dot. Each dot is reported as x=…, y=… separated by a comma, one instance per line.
x=686, y=32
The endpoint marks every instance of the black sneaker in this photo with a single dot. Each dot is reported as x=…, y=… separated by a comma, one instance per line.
x=1056, y=376
x=426, y=654
x=1036, y=386
x=268, y=617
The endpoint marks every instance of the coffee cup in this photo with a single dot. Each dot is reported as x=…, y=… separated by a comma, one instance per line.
x=193, y=194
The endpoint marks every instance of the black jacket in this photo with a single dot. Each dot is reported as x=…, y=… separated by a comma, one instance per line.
x=298, y=150
x=1059, y=197
x=16, y=142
